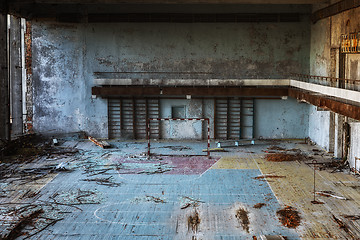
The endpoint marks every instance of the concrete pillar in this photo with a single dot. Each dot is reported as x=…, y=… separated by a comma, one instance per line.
x=16, y=76
x=332, y=132
x=354, y=155
x=4, y=81
x=338, y=148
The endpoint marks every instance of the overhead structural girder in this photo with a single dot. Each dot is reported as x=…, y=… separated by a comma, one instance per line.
x=195, y=91
x=332, y=104
x=335, y=105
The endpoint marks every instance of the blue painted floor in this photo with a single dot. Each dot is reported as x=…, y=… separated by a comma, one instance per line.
x=158, y=206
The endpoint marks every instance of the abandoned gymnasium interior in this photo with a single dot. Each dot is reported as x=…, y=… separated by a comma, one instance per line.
x=179, y=119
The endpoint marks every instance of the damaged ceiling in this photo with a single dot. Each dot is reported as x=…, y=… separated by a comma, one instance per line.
x=76, y=11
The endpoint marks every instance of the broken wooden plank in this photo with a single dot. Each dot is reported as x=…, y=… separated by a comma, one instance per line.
x=102, y=144
x=327, y=194
x=214, y=150
x=17, y=229
x=343, y=226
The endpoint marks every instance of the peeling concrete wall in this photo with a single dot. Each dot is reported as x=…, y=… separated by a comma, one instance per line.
x=354, y=145
x=275, y=119
x=320, y=65
x=319, y=123
x=194, y=108
x=325, y=34
x=65, y=56
x=353, y=71
x=62, y=82
x=232, y=50
x=345, y=23
x=281, y=119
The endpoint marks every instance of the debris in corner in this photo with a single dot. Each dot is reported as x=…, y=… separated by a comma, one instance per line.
x=289, y=217
x=28, y=147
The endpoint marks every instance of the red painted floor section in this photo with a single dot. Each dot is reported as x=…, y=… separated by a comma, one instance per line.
x=194, y=165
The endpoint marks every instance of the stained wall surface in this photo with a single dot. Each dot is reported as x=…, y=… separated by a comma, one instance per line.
x=65, y=57
x=277, y=119
x=326, y=37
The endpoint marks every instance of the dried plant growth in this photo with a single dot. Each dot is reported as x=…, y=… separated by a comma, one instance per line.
x=243, y=218
x=269, y=176
x=194, y=222
x=284, y=157
x=259, y=205
x=289, y=217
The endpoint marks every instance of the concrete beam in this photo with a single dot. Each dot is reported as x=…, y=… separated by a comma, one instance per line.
x=169, y=1
x=346, y=109
x=191, y=82
x=344, y=94
x=182, y=91
x=4, y=81
x=16, y=76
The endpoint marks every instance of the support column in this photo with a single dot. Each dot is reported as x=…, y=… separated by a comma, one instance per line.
x=16, y=76
x=4, y=81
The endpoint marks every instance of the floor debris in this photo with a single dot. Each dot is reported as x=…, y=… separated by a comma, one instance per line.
x=155, y=199
x=317, y=202
x=285, y=157
x=330, y=194
x=147, y=167
x=76, y=197
x=157, y=170
x=102, y=144
x=179, y=193
x=55, y=142
x=28, y=220
x=178, y=148
x=63, y=166
x=189, y=202
x=149, y=198
x=352, y=217
x=214, y=150
x=259, y=205
x=344, y=226
x=269, y=237
x=269, y=176
x=29, y=147
x=243, y=218
x=23, y=221
x=276, y=148
x=104, y=181
x=289, y=217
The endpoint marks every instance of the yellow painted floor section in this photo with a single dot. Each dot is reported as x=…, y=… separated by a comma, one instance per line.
x=296, y=190
x=234, y=162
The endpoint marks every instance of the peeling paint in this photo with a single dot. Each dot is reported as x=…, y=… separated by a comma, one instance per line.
x=65, y=57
